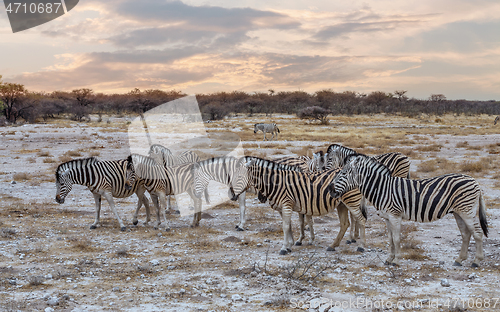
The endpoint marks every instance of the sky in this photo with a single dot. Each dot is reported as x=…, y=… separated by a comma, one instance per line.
x=425, y=47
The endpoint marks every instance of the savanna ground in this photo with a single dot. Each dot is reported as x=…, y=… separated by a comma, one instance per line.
x=50, y=259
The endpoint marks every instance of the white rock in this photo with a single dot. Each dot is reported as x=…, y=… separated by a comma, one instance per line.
x=445, y=283
x=53, y=301
x=49, y=309
x=236, y=297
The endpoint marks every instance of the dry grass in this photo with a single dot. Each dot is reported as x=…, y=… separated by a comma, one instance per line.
x=49, y=160
x=81, y=244
x=476, y=166
x=94, y=153
x=44, y=154
x=73, y=154
x=429, y=148
x=21, y=177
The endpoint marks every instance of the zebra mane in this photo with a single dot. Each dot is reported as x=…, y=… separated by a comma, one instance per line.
x=331, y=147
x=261, y=162
x=372, y=162
x=144, y=160
x=73, y=163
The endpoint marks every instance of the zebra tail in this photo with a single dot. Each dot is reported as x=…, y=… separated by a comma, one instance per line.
x=364, y=211
x=482, y=215
x=207, y=199
x=278, y=129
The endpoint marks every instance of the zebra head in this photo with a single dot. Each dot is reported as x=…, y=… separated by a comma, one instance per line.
x=319, y=161
x=130, y=176
x=336, y=155
x=255, y=129
x=200, y=180
x=64, y=183
x=346, y=179
x=240, y=179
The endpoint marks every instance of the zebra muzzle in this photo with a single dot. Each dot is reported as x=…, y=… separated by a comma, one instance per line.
x=59, y=200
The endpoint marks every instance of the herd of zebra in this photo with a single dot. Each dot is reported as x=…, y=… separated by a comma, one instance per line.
x=339, y=178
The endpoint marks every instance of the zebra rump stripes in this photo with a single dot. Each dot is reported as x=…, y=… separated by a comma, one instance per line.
x=103, y=178
x=267, y=128
x=416, y=200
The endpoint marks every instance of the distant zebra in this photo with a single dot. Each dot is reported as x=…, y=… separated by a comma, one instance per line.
x=222, y=170
x=161, y=181
x=267, y=128
x=164, y=156
x=496, y=120
x=289, y=189
x=104, y=179
x=417, y=200
x=397, y=163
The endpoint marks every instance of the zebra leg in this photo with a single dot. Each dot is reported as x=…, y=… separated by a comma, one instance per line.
x=310, y=222
x=394, y=222
x=352, y=229
x=163, y=202
x=145, y=201
x=287, y=231
x=466, y=234
x=139, y=205
x=197, y=210
x=301, y=225
x=343, y=213
x=109, y=198
x=156, y=203
x=97, y=198
x=243, y=220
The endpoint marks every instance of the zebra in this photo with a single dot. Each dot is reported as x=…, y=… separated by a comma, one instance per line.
x=267, y=128
x=161, y=181
x=164, y=156
x=222, y=170
x=496, y=120
x=292, y=190
x=424, y=200
x=397, y=163
x=308, y=165
x=104, y=179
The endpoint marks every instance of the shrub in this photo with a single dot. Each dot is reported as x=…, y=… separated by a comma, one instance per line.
x=315, y=113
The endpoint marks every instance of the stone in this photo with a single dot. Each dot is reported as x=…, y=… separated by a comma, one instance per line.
x=445, y=283
x=53, y=301
x=236, y=297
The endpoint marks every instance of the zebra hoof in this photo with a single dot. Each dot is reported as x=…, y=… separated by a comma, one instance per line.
x=283, y=252
x=474, y=265
x=93, y=227
x=361, y=249
x=176, y=212
x=297, y=243
x=135, y=222
x=387, y=263
x=353, y=241
x=457, y=263
x=348, y=242
x=167, y=229
x=330, y=249
x=123, y=228
x=239, y=229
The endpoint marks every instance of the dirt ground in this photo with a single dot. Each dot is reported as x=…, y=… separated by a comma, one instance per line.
x=51, y=261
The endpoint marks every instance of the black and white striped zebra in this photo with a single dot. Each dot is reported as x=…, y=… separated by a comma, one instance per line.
x=307, y=165
x=164, y=156
x=336, y=156
x=398, y=163
x=104, y=179
x=417, y=200
x=222, y=170
x=267, y=128
x=161, y=181
x=289, y=189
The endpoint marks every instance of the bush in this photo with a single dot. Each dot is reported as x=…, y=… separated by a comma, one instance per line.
x=315, y=113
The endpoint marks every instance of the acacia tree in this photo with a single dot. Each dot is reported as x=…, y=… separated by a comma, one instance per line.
x=11, y=95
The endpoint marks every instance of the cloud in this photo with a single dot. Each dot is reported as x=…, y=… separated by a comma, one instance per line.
x=207, y=17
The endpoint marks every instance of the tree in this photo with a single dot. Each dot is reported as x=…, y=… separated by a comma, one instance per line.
x=315, y=113
x=83, y=96
x=10, y=95
x=400, y=95
x=437, y=98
